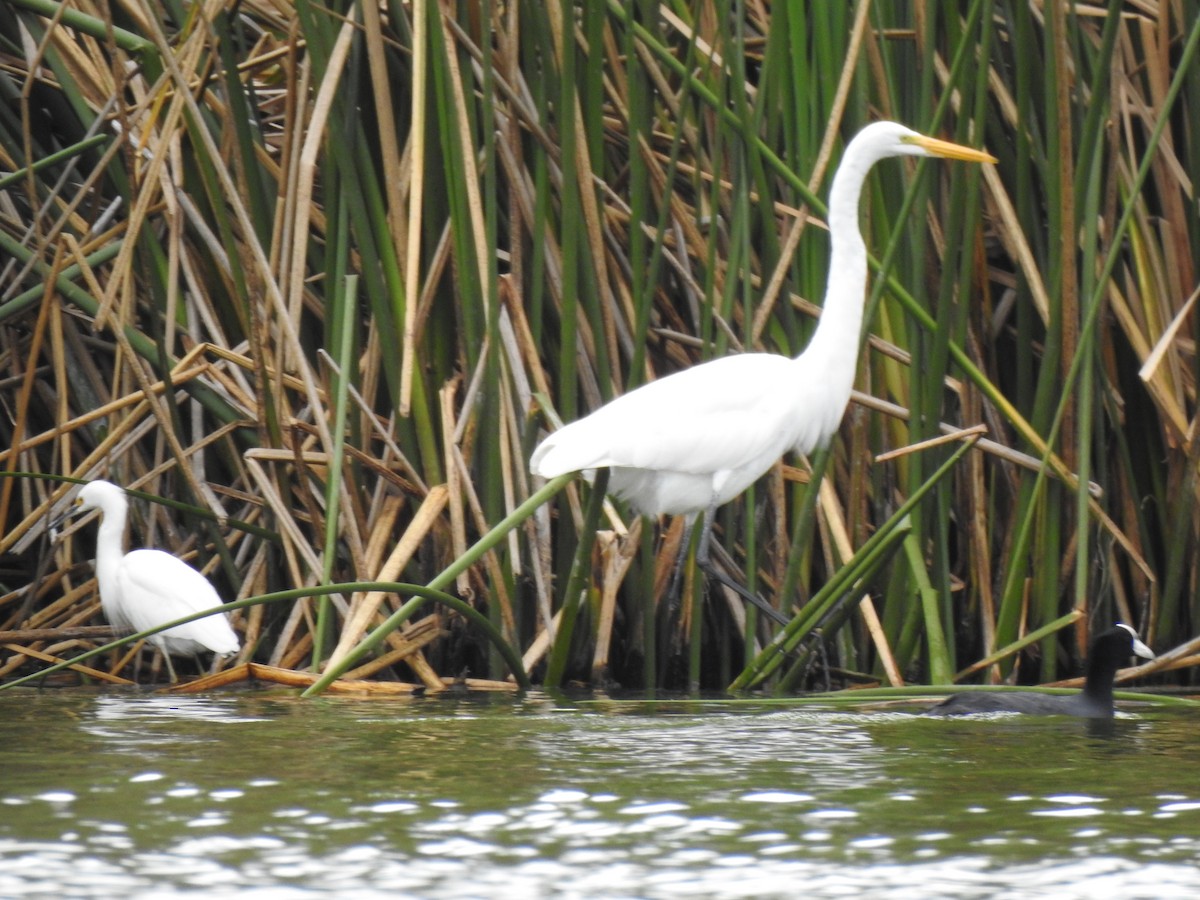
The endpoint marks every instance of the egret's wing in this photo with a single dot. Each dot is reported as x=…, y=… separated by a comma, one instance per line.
x=156, y=587
x=714, y=416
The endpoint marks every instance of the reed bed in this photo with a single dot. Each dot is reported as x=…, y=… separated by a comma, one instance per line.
x=323, y=274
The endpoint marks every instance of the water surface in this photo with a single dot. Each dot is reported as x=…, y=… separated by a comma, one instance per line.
x=141, y=795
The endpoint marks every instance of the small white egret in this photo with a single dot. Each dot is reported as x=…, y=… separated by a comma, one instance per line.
x=691, y=441
x=145, y=588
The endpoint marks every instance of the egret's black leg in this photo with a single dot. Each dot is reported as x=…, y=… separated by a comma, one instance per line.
x=705, y=563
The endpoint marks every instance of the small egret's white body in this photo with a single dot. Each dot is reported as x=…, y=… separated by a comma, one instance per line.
x=145, y=588
x=691, y=441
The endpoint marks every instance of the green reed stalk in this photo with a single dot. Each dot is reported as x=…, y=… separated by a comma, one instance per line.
x=576, y=590
x=868, y=557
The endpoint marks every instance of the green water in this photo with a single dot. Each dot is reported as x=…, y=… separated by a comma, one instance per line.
x=141, y=795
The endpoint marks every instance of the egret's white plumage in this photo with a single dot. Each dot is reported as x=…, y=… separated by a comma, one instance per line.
x=145, y=588
x=691, y=441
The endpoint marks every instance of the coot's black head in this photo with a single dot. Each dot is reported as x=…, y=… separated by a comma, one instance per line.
x=1109, y=652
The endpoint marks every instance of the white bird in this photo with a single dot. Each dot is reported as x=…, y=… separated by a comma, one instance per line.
x=691, y=441
x=143, y=589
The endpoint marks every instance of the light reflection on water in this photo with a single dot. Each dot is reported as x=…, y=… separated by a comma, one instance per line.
x=144, y=795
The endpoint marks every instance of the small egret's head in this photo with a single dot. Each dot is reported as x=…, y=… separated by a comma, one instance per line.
x=100, y=495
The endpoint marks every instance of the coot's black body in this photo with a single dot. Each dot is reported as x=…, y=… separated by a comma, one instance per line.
x=1109, y=652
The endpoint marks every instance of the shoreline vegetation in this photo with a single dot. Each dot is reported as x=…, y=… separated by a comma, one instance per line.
x=313, y=280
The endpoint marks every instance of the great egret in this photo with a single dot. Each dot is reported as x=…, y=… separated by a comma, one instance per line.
x=691, y=441
x=145, y=588
x=1108, y=652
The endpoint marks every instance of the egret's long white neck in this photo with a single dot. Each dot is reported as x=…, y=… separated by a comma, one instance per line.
x=110, y=545
x=834, y=345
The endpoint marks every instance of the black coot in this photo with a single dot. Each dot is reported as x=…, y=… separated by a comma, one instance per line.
x=1109, y=652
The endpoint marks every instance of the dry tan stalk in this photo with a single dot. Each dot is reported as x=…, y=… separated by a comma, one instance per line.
x=955, y=435
x=616, y=554
x=1169, y=176
x=284, y=516
x=254, y=582
x=416, y=197
x=233, y=675
x=996, y=449
x=458, y=529
x=777, y=500
x=413, y=658
x=383, y=522
x=980, y=573
x=668, y=554
x=247, y=363
x=470, y=177
x=131, y=652
x=299, y=649
x=407, y=649
x=540, y=645
x=415, y=661
x=479, y=684
x=175, y=249
x=66, y=605
x=80, y=632
x=524, y=360
x=512, y=466
x=369, y=369
x=78, y=667
x=364, y=608
x=1117, y=581
x=62, y=397
x=389, y=150
x=1151, y=361
x=537, y=530
x=428, y=293
x=288, y=678
x=35, y=350
x=291, y=139
x=11, y=665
